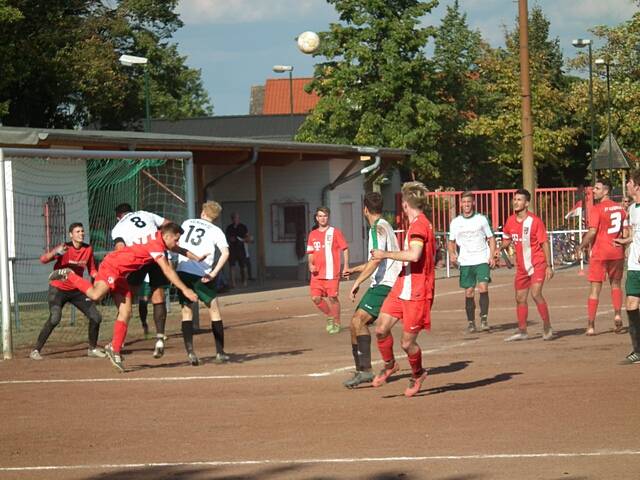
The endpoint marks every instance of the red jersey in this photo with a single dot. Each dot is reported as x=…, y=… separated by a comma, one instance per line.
x=77, y=259
x=417, y=279
x=528, y=237
x=130, y=259
x=607, y=217
x=325, y=248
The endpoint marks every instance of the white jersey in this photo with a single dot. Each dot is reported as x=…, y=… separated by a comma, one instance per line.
x=134, y=227
x=201, y=237
x=471, y=235
x=381, y=237
x=633, y=261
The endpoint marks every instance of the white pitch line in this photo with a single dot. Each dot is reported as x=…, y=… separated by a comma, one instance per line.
x=233, y=463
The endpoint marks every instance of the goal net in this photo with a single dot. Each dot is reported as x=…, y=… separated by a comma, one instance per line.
x=44, y=195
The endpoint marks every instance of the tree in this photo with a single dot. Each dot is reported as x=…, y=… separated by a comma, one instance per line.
x=498, y=121
x=61, y=69
x=375, y=86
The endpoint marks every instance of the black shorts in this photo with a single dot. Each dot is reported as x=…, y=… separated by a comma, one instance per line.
x=61, y=297
x=240, y=260
x=156, y=277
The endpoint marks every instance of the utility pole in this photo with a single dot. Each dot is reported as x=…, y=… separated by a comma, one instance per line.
x=528, y=172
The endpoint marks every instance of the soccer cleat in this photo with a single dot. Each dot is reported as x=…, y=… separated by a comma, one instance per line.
x=516, y=337
x=415, y=384
x=158, y=351
x=632, y=358
x=471, y=327
x=484, y=325
x=384, y=375
x=358, y=378
x=590, y=332
x=548, y=334
x=336, y=328
x=35, y=355
x=329, y=325
x=193, y=359
x=59, y=274
x=221, y=358
x=96, y=353
x=114, y=358
x=617, y=325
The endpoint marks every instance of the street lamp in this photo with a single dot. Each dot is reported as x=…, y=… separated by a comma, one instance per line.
x=282, y=69
x=130, y=61
x=602, y=61
x=581, y=43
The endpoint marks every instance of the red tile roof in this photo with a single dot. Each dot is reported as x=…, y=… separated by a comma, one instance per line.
x=276, y=96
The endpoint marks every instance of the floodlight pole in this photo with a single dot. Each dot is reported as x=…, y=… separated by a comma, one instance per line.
x=147, y=110
x=528, y=173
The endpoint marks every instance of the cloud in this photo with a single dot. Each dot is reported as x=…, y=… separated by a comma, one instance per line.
x=248, y=11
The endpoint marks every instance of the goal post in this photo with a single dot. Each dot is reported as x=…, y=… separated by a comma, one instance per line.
x=148, y=188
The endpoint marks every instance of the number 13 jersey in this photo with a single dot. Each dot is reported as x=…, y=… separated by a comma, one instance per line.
x=136, y=227
x=607, y=217
x=201, y=237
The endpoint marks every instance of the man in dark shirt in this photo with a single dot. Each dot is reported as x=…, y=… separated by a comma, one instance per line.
x=237, y=234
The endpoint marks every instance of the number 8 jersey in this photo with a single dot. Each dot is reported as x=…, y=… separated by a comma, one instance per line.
x=136, y=227
x=201, y=237
x=607, y=217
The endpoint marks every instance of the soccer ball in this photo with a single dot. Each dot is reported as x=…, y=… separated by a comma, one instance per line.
x=308, y=42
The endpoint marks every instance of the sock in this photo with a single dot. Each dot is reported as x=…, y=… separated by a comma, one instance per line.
x=522, y=311
x=160, y=318
x=543, y=310
x=470, y=308
x=119, y=334
x=616, y=299
x=94, y=332
x=354, y=352
x=218, y=334
x=79, y=282
x=334, y=311
x=385, y=346
x=415, y=360
x=143, y=309
x=187, y=335
x=323, y=307
x=47, y=328
x=634, y=328
x=484, y=305
x=592, y=308
x=364, y=351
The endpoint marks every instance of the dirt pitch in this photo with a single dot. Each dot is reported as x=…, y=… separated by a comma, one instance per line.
x=562, y=409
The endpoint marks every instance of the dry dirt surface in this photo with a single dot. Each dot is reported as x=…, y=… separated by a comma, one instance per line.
x=563, y=409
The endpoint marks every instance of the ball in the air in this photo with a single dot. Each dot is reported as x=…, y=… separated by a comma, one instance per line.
x=308, y=42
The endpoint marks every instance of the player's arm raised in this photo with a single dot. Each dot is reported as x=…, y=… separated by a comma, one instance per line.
x=172, y=276
x=57, y=251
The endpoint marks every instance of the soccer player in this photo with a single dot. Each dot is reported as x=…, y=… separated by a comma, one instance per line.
x=78, y=256
x=112, y=277
x=632, y=284
x=606, y=222
x=470, y=231
x=411, y=297
x=203, y=238
x=533, y=260
x=131, y=227
x=383, y=274
x=323, y=248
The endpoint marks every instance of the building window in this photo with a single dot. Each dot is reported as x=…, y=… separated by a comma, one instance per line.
x=288, y=220
x=55, y=231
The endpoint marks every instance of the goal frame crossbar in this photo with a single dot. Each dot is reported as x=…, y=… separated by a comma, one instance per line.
x=7, y=153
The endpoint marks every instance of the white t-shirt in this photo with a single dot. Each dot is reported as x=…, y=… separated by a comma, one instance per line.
x=471, y=235
x=381, y=237
x=201, y=237
x=133, y=227
x=634, y=251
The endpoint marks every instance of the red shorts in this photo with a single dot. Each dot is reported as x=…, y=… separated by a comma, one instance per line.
x=415, y=315
x=117, y=284
x=321, y=287
x=523, y=280
x=599, y=270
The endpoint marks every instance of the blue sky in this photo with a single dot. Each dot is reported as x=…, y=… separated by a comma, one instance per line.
x=236, y=42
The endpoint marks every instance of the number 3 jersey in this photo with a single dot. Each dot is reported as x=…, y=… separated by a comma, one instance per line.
x=201, y=237
x=608, y=218
x=134, y=227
